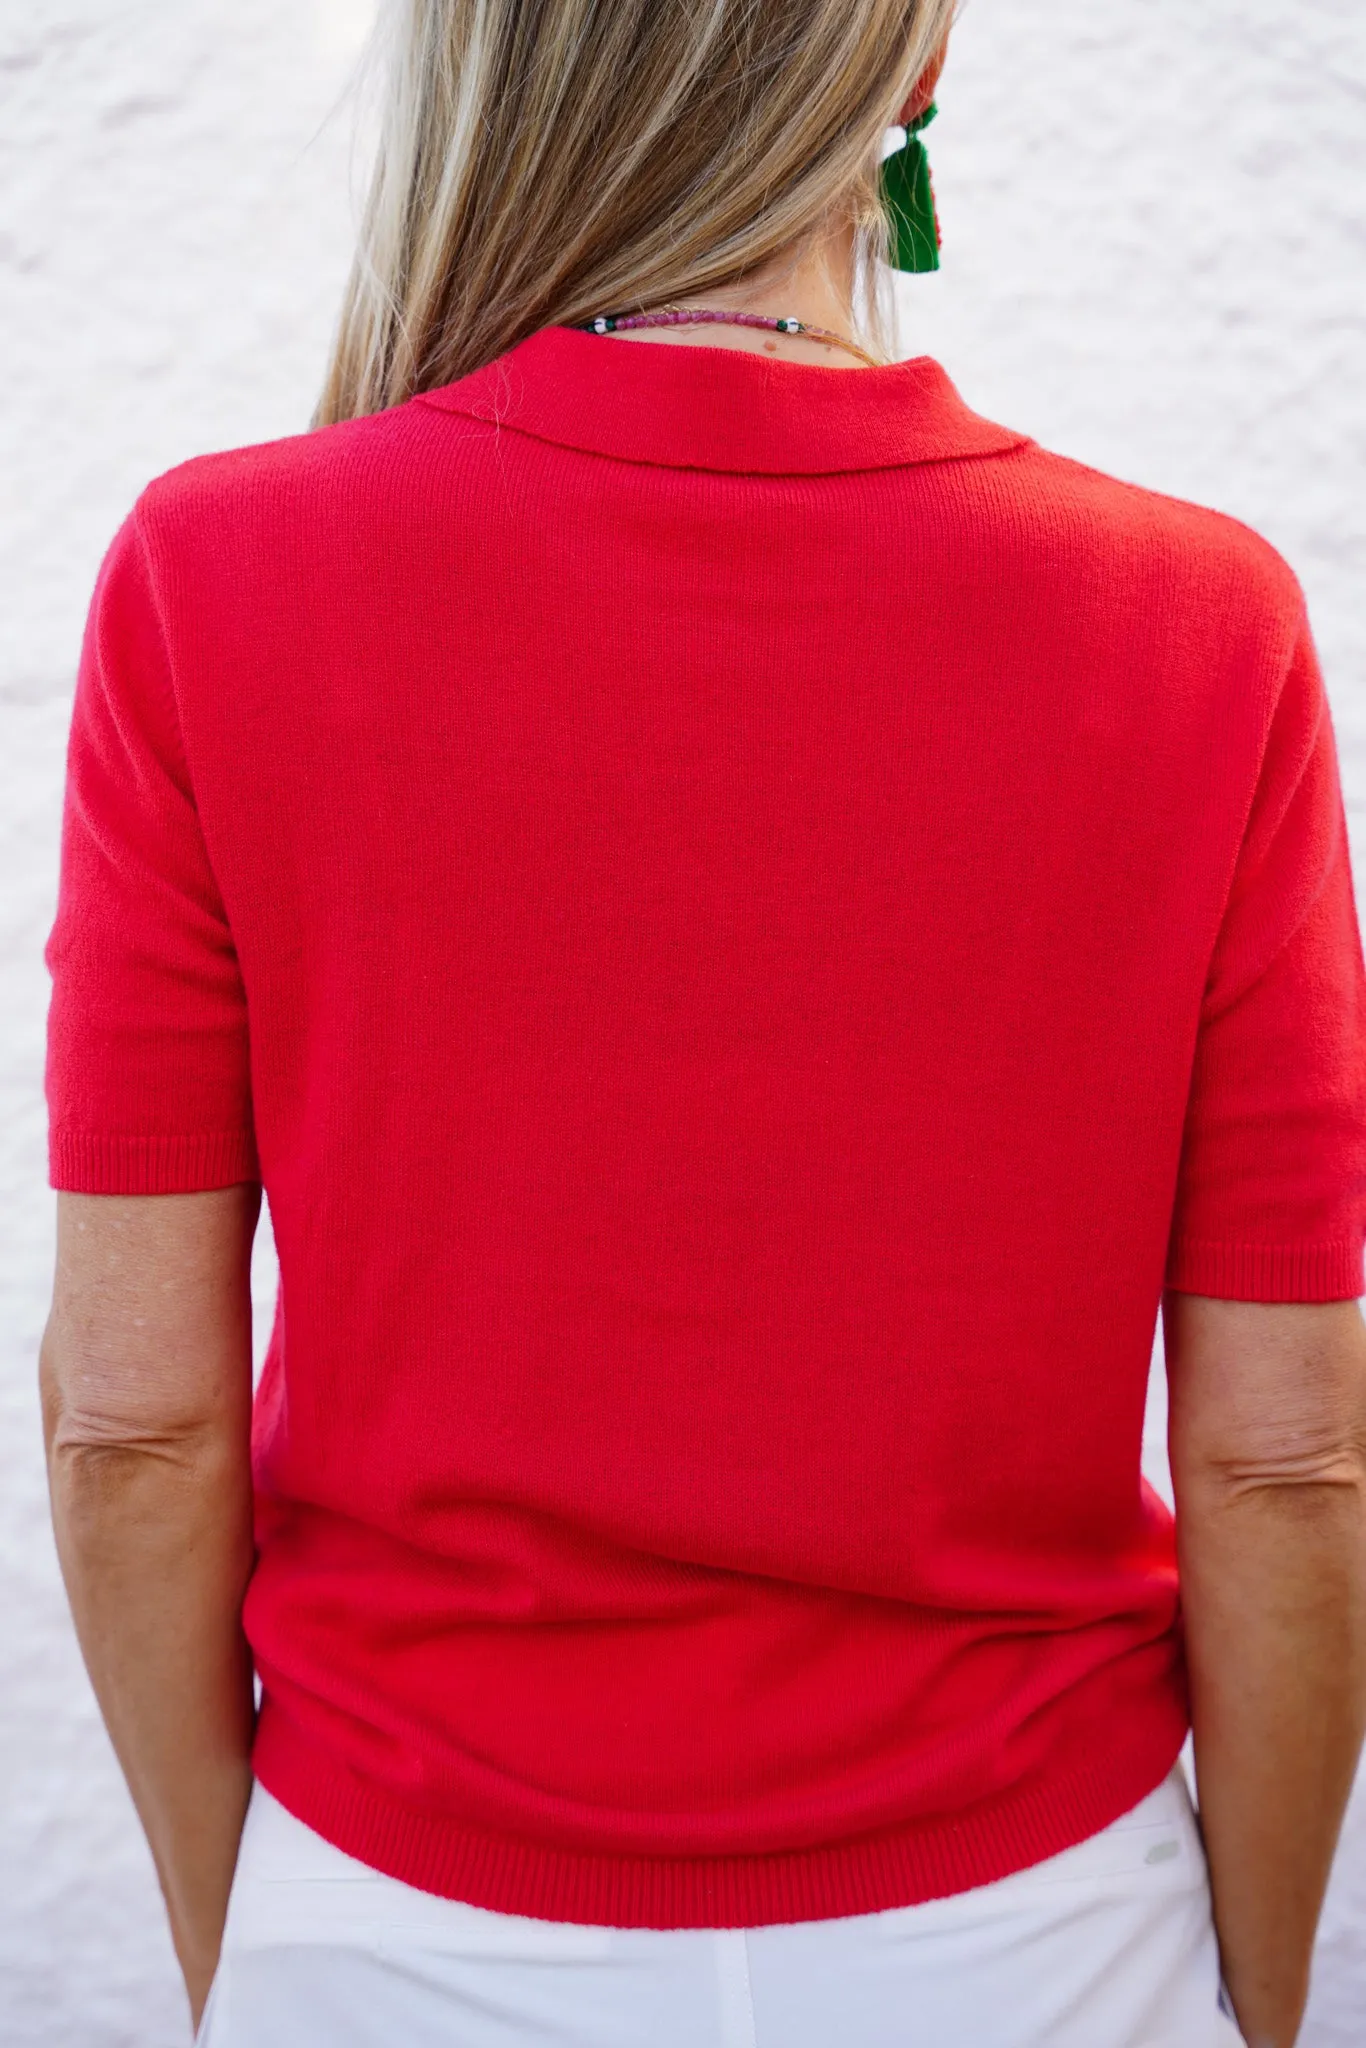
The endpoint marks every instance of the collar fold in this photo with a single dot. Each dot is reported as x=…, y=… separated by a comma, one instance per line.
x=698, y=407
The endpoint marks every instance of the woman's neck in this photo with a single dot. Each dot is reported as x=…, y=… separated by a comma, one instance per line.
x=815, y=286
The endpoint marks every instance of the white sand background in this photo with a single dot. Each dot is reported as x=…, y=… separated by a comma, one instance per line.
x=1155, y=260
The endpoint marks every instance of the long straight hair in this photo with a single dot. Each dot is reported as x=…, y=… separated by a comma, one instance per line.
x=541, y=161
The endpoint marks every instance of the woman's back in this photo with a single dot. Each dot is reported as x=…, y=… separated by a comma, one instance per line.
x=770, y=911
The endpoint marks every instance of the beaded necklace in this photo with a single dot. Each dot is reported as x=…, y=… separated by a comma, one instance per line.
x=686, y=316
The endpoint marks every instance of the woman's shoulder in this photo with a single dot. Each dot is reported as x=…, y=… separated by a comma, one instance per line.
x=1083, y=527
x=308, y=473
x=1131, y=530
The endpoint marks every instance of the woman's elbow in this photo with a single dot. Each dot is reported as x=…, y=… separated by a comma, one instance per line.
x=1266, y=1397
x=105, y=1420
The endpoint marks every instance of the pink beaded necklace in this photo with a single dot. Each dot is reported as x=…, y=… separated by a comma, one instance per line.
x=686, y=316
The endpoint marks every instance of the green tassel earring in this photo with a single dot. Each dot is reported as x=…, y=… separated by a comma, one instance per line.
x=908, y=196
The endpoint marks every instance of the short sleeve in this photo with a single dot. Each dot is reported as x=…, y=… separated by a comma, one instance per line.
x=148, y=1077
x=1271, y=1195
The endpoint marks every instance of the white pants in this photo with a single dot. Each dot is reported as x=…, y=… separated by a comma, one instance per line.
x=1109, y=1945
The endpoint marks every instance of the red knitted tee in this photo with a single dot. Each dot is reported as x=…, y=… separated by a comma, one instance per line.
x=747, y=920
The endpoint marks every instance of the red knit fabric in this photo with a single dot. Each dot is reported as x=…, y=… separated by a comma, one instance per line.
x=748, y=920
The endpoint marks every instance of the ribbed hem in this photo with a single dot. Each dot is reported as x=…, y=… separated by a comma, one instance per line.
x=1269, y=1272
x=899, y=1867
x=95, y=1163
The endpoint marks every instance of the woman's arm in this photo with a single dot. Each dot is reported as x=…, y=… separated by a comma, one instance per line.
x=146, y=1384
x=1268, y=1452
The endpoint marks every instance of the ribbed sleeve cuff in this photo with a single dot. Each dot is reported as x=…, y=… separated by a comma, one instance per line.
x=97, y=1163
x=1268, y=1272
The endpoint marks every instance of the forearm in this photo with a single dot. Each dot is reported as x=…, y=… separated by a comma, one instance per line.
x=1273, y=1580
x=155, y=1547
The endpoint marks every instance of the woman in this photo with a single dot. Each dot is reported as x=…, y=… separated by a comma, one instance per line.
x=754, y=926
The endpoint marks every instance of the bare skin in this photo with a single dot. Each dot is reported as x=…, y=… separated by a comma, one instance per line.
x=145, y=1372
x=815, y=285
x=1268, y=1455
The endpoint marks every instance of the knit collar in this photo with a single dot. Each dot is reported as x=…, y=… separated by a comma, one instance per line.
x=721, y=409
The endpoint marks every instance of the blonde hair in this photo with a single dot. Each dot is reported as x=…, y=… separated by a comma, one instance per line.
x=541, y=161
